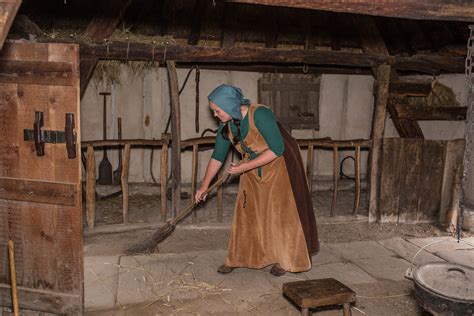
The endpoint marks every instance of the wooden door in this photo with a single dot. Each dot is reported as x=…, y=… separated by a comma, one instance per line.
x=40, y=191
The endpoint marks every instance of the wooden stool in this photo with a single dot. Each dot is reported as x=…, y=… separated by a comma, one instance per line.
x=317, y=293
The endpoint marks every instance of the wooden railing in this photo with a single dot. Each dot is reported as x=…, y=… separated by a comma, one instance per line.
x=194, y=143
x=335, y=145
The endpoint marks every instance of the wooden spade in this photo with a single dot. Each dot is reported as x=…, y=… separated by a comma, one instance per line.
x=118, y=171
x=105, y=167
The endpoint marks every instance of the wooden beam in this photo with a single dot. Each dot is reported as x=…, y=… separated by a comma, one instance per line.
x=86, y=68
x=244, y=55
x=374, y=43
x=406, y=127
x=378, y=127
x=104, y=23
x=227, y=25
x=100, y=28
x=448, y=10
x=42, y=300
x=419, y=88
x=429, y=113
x=175, y=139
x=37, y=191
x=415, y=37
x=36, y=72
x=8, y=10
x=369, y=35
x=272, y=28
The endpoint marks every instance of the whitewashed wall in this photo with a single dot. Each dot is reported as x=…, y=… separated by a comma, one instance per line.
x=346, y=106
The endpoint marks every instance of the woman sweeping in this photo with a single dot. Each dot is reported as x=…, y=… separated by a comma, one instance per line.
x=274, y=221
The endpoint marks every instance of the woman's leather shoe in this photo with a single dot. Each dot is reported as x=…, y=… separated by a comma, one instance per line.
x=276, y=270
x=223, y=269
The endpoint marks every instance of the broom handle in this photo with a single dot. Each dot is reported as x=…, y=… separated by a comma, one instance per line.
x=13, y=277
x=190, y=207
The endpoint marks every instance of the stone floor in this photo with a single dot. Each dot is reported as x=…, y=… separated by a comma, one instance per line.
x=182, y=280
x=187, y=283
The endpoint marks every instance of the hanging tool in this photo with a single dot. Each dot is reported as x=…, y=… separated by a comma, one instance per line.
x=162, y=233
x=11, y=252
x=196, y=118
x=118, y=171
x=105, y=167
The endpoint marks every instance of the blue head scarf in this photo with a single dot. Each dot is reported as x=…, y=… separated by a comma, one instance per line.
x=229, y=98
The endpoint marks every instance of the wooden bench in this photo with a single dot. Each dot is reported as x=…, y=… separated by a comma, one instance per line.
x=318, y=293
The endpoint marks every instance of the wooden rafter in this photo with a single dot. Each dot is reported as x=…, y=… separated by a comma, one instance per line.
x=8, y=10
x=227, y=35
x=100, y=28
x=103, y=24
x=448, y=10
x=373, y=42
x=430, y=113
x=199, y=15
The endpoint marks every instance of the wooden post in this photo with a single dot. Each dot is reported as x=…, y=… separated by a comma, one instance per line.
x=220, y=204
x=193, y=177
x=164, y=180
x=175, y=139
x=451, y=221
x=335, y=166
x=124, y=182
x=378, y=127
x=309, y=167
x=357, y=180
x=90, y=186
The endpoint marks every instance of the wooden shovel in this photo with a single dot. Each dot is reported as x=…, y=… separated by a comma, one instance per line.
x=105, y=167
x=118, y=171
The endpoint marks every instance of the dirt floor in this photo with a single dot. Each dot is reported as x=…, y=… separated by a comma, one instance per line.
x=207, y=233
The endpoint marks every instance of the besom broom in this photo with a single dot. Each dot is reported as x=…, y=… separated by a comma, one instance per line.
x=150, y=245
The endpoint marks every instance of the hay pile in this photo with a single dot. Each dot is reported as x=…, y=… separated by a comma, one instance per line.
x=440, y=96
x=110, y=70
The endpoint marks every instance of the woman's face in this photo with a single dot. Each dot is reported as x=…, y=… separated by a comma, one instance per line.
x=219, y=113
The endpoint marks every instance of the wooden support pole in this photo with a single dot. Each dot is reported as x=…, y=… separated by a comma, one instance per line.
x=220, y=204
x=335, y=166
x=90, y=186
x=309, y=167
x=378, y=127
x=124, y=182
x=357, y=180
x=175, y=139
x=164, y=181
x=451, y=221
x=194, y=177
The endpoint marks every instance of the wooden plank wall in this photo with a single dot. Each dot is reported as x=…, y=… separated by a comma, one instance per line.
x=416, y=178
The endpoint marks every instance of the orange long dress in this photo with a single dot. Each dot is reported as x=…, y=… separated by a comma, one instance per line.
x=273, y=218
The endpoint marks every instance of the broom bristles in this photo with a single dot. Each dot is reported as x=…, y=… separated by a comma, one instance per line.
x=151, y=244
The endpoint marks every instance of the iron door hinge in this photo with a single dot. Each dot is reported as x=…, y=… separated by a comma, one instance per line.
x=40, y=136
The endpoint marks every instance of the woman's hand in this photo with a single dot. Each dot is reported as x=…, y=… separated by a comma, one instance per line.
x=199, y=197
x=238, y=168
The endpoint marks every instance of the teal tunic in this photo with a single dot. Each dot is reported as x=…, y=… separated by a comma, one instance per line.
x=265, y=122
